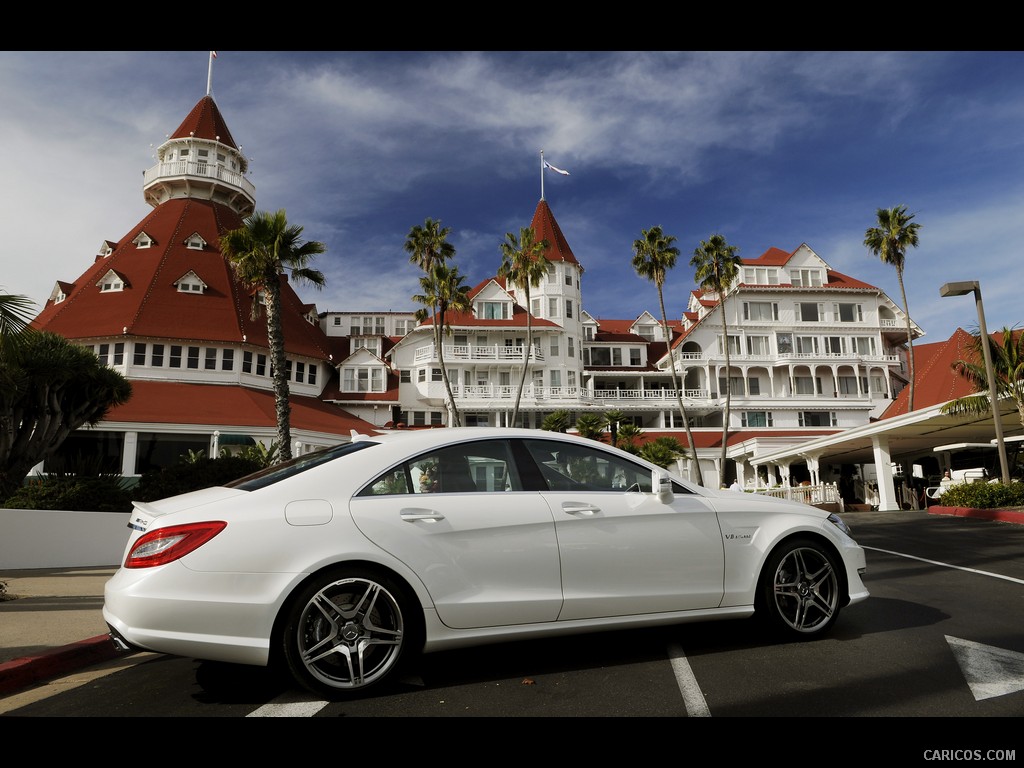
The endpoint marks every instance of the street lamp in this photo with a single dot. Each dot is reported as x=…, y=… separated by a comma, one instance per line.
x=961, y=289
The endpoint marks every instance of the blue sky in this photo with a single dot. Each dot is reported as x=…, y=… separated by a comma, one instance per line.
x=769, y=149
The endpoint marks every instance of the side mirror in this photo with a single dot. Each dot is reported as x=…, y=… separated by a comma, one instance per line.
x=662, y=485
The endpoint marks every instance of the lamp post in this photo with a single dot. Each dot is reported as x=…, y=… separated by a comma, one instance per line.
x=961, y=289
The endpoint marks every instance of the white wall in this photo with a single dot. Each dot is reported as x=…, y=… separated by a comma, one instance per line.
x=42, y=538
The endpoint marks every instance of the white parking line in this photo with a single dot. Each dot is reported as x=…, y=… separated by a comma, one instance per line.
x=693, y=698
x=948, y=565
x=289, y=704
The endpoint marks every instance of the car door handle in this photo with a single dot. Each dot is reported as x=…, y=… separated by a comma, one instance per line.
x=411, y=514
x=579, y=508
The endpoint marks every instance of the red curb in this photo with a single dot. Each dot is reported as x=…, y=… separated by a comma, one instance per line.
x=1002, y=515
x=19, y=674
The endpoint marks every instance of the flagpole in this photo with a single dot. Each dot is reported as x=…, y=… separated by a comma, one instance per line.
x=209, y=75
x=542, y=174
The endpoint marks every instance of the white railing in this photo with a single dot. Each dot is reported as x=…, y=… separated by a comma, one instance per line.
x=462, y=352
x=201, y=170
x=824, y=493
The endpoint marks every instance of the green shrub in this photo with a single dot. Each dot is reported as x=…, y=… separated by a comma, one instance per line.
x=106, y=493
x=199, y=473
x=984, y=495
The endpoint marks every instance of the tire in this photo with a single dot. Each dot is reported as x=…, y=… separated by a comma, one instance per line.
x=801, y=590
x=348, y=631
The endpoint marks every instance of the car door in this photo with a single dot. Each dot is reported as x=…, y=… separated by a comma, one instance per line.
x=484, y=548
x=624, y=551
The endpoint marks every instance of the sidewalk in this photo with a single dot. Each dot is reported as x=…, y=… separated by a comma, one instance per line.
x=54, y=625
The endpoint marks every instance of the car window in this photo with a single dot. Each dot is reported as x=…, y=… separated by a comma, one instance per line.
x=483, y=466
x=569, y=467
x=297, y=465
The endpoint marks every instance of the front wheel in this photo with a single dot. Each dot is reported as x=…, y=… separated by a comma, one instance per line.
x=800, y=593
x=348, y=631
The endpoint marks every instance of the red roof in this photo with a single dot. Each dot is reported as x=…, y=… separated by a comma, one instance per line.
x=160, y=402
x=205, y=122
x=546, y=228
x=151, y=305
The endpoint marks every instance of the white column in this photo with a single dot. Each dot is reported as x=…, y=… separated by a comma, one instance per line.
x=883, y=471
x=129, y=452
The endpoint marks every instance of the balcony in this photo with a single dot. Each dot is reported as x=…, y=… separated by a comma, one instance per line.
x=472, y=353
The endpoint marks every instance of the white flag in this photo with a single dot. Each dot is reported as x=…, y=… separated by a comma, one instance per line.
x=556, y=170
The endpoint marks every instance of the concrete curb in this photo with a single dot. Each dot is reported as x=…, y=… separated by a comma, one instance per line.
x=1001, y=515
x=19, y=674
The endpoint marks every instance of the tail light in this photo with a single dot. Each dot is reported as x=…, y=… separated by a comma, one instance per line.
x=165, y=545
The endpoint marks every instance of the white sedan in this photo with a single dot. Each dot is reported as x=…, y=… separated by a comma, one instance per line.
x=341, y=566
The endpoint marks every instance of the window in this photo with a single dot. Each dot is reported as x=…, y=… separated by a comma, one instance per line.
x=784, y=343
x=139, y=357
x=847, y=385
x=362, y=380
x=552, y=307
x=572, y=346
x=157, y=360
x=227, y=362
x=758, y=345
x=435, y=374
x=404, y=377
x=571, y=377
x=616, y=356
x=104, y=354
x=568, y=308
x=174, y=361
x=863, y=345
x=300, y=373
x=247, y=362
x=553, y=347
x=355, y=327
x=556, y=378
x=211, y=359
x=634, y=356
x=588, y=333
x=598, y=356
x=760, y=276
x=734, y=345
x=760, y=311
x=476, y=467
x=807, y=345
x=757, y=419
x=817, y=419
x=574, y=468
x=261, y=365
x=568, y=277
x=435, y=418
x=312, y=373
x=809, y=311
x=835, y=345
x=805, y=385
x=193, y=357
x=754, y=385
x=421, y=375
x=552, y=275
x=849, y=313
x=535, y=307
x=735, y=385
x=195, y=242
x=493, y=310
x=807, y=278
x=378, y=326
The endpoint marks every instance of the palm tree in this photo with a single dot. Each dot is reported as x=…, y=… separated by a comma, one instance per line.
x=895, y=232
x=628, y=435
x=259, y=253
x=1007, y=368
x=556, y=422
x=590, y=425
x=653, y=256
x=443, y=290
x=718, y=264
x=613, y=419
x=662, y=451
x=428, y=247
x=524, y=266
x=15, y=317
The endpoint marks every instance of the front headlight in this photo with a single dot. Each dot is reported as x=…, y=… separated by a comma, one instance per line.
x=837, y=521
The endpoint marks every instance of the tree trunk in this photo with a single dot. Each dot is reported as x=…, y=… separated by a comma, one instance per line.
x=453, y=410
x=728, y=393
x=677, y=386
x=282, y=404
x=910, y=341
x=526, y=356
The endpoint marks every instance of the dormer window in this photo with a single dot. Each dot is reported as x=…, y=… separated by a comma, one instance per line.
x=111, y=282
x=492, y=310
x=142, y=240
x=195, y=242
x=806, y=278
x=105, y=250
x=190, y=283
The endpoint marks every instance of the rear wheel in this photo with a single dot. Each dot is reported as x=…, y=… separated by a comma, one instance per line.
x=348, y=631
x=800, y=593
